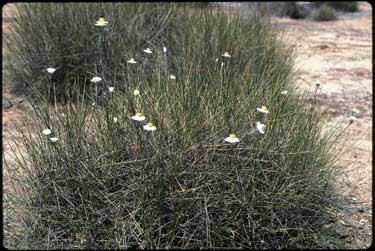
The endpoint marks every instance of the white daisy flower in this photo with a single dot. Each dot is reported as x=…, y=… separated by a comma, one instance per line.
x=148, y=51
x=138, y=117
x=352, y=119
x=232, y=138
x=285, y=92
x=132, y=61
x=355, y=111
x=263, y=109
x=226, y=54
x=261, y=127
x=101, y=22
x=115, y=119
x=111, y=88
x=172, y=77
x=136, y=92
x=165, y=49
x=54, y=139
x=96, y=79
x=46, y=132
x=51, y=70
x=149, y=127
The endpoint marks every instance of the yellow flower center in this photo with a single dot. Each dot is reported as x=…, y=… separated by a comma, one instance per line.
x=149, y=124
x=264, y=107
x=138, y=114
x=101, y=19
x=263, y=126
x=232, y=136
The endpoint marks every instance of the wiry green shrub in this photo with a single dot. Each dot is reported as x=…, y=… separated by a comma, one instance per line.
x=63, y=36
x=324, y=13
x=108, y=183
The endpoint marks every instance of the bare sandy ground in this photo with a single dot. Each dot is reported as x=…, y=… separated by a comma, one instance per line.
x=339, y=54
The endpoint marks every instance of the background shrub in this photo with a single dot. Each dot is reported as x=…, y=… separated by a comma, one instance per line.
x=324, y=13
x=341, y=5
x=108, y=184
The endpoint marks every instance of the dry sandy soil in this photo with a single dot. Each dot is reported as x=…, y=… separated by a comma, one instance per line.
x=339, y=54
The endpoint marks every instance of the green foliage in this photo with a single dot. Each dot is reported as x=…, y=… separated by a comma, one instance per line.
x=64, y=36
x=345, y=6
x=341, y=5
x=107, y=184
x=324, y=13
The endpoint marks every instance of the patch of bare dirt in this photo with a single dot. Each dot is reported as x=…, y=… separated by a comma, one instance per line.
x=13, y=107
x=339, y=54
x=8, y=12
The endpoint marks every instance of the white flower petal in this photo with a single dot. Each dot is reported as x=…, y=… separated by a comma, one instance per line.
x=285, y=92
x=165, y=49
x=46, y=132
x=136, y=92
x=148, y=51
x=132, y=61
x=111, y=88
x=51, y=70
x=96, y=79
x=262, y=110
x=149, y=128
x=355, y=111
x=53, y=139
x=138, y=118
x=226, y=54
x=115, y=119
x=260, y=127
x=172, y=77
x=101, y=22
x=232, y=140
